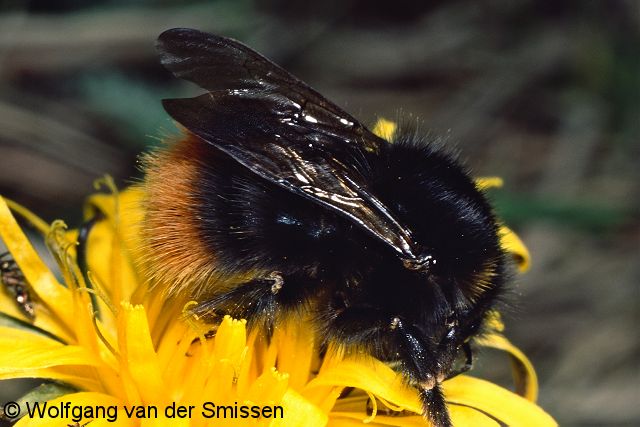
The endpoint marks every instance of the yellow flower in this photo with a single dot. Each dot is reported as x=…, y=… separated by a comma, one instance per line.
x=113, y=345
x=510, y=240
x=385, y=129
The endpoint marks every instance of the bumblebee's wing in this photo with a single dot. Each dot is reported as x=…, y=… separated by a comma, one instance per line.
x=278, y=127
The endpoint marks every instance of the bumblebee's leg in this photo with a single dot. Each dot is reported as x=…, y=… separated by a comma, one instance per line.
x=389, y=339
x=434, y=406
x=255, y=300
x=421, y=368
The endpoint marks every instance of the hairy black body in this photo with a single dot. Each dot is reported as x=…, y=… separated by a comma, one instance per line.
x=389, y=246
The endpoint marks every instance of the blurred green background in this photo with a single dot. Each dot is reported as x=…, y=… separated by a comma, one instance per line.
x=544, y=93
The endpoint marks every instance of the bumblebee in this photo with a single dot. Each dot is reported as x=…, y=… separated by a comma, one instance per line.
x=276, y=202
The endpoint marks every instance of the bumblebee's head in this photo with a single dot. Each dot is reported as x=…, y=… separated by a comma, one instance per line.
x=426, y=354
x=425, y=360
x=437, y=301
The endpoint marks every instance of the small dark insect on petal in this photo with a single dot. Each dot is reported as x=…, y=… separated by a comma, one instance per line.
x=16, y=285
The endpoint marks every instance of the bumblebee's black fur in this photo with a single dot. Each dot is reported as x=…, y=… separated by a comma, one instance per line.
x=390, y=246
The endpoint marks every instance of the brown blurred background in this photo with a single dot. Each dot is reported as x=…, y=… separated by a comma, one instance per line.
x=543, y=93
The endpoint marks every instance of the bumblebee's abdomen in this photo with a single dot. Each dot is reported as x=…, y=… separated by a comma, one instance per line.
x=172, y=249
x=211, y=222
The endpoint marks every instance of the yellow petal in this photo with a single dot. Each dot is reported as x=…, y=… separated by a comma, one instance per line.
x=299, y=412
x=269, y=387
x=223, y=367
x=354, y=419
x=33, y=219
x=42, y=281
x=525, y=378
x=231, y=339
x=126, y=206
x=22, y=350
x=139, y=358
x=44, y=322
x=460, y=416
x=486, y=182
x=465, y=416
x=109, y=265
x=512, y=244
x=371, y=375
x=509, y=240
x=381, y=381
x=75, y=376
x=295, y=348
x=385, y=129
x=505, y=406
x=494, y=321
